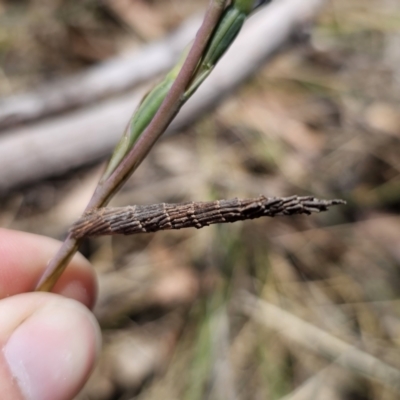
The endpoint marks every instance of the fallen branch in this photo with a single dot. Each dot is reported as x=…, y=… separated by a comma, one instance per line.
x=110, y=77
x=54, y=147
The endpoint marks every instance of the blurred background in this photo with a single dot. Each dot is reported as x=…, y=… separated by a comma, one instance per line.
x=286, y=308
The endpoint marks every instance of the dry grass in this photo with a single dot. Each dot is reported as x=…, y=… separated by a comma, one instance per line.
x=322, y=120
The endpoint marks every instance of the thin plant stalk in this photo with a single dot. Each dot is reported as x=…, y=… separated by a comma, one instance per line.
x=167, y=111
x=156, y=111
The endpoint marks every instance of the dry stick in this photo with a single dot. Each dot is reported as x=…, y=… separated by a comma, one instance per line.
x=156, y=217
x=54, y=147
x=167, y=111
x=110, y=77
x=107, y=78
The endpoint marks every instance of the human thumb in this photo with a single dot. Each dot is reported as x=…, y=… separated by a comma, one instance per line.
x=49, y=346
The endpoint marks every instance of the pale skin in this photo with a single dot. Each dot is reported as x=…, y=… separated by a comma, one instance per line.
x=49, y=341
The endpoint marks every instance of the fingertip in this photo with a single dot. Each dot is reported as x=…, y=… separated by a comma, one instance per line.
x=51, y=344
x=24, y=257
